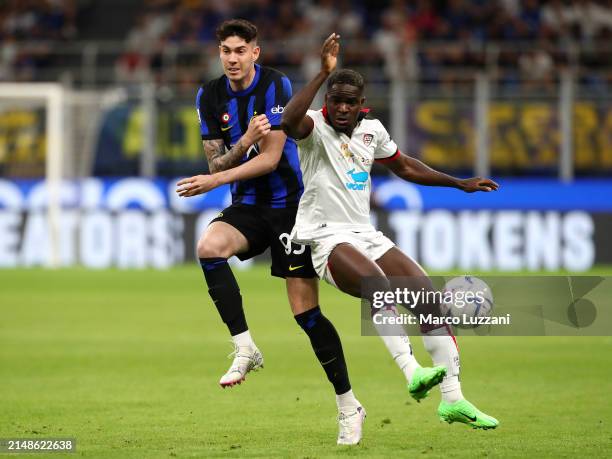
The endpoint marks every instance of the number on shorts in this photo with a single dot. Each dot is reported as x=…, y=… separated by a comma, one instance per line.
x=287, y=244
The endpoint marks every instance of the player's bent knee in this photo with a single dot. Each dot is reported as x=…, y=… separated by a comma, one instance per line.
x=213, y=247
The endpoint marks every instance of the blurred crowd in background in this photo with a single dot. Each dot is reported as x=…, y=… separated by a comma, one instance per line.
x=528, y=82
x=522, y=42
x=28, y=29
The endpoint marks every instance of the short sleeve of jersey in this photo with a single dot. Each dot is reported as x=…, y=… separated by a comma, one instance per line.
x=311, y=140
x=209, y=125
x=386, y=148
x=278, y=94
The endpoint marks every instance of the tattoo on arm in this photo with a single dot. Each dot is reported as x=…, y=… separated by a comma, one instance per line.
x=219, y=159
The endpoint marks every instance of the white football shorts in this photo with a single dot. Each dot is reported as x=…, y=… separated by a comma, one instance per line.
x=373, y=244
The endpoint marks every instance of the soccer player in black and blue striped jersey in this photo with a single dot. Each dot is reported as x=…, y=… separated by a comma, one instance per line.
x=240, y=116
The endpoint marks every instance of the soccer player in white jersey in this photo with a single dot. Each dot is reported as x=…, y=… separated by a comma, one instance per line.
x=337, y=147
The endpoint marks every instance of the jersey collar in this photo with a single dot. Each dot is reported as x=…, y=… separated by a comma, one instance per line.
x=247, y=90
x=362, y=114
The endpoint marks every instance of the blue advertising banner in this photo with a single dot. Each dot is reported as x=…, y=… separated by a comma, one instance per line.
x=528, y=225
x=592, y=195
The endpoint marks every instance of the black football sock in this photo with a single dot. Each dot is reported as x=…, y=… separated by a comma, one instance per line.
x=327, y=347
x=225, y=293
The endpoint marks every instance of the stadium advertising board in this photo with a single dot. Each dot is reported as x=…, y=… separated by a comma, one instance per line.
x=524, y=137
x=22, y=142
x=139, y=223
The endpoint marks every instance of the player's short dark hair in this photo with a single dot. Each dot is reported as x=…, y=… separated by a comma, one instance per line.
x=237, y=27
x=346, y=76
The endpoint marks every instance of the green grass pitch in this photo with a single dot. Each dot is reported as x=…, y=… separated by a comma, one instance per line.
x=127, y=362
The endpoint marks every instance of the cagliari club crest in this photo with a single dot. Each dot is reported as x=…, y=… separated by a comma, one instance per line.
x=367, y=138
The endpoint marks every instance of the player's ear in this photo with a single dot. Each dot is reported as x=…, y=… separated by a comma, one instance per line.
x=362, y=100
x=256, y=51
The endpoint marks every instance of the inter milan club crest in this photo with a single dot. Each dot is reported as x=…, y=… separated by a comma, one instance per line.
x=367, y=138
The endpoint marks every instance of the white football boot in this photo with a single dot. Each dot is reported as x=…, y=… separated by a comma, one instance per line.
x=246, y=358
x=350, y=425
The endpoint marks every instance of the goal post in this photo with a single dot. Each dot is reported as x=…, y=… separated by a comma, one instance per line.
x=53, y=97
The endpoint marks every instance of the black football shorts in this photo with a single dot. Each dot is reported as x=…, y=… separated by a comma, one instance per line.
x=267, y=227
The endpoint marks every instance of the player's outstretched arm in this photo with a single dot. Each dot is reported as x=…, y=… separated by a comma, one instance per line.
x=295, y=122
x=415, y=171
x=220, y=160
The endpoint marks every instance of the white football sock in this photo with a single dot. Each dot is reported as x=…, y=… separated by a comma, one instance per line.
x=400, y=349
x=397, y=343
x=243, y=339
x=441, y=346
x=346, y=401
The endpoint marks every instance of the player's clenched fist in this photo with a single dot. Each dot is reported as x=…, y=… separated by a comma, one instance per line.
x=329, y=53
x=259, y=126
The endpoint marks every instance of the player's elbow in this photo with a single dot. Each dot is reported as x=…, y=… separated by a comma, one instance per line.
x=288, y=124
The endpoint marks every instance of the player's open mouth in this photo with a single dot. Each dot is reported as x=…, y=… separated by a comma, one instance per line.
x=233, y=71
x=341, y=121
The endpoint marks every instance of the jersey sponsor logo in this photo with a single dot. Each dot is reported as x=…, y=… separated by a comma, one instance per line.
x=367, y=138
x=359, y=180
x=278, y=110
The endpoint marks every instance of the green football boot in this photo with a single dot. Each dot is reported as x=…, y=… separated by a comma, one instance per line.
x=423, y=379
x=464, y=411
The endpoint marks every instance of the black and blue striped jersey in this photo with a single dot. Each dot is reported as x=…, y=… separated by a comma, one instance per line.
x=225, y=114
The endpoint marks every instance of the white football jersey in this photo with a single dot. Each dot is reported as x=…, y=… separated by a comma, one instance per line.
x=336, y=174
